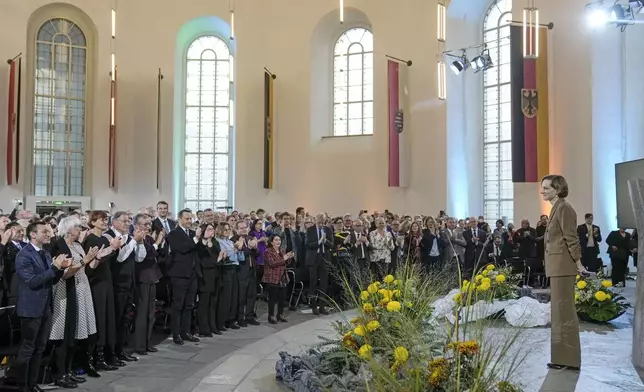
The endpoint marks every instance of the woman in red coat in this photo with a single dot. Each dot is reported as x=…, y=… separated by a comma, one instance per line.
x=275, y=278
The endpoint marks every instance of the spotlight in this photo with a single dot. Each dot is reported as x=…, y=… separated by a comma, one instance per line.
x=482, y=62
x=598, y=17
x=617, y=13
x=459, y=65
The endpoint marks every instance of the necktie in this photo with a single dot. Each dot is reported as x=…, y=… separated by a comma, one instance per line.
x=43, y=256
x=166, y=227
x=18, y=246
x=320, y=236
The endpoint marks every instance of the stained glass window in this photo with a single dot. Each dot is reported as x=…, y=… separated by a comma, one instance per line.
x=353, y=83
x=498, y=190
x=59, y=109
x=209, y=122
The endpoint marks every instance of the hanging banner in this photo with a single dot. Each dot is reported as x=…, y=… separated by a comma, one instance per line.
x=13, y=122
x=269, y=132
x=399, y=124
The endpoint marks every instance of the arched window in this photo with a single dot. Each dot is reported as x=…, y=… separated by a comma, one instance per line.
x=353, y=83
x=59, y=109
x=498, y=189
x=209, y=123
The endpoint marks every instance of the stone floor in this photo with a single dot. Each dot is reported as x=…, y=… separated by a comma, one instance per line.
x=181, y=368
x=244, y=360
x=606, y=365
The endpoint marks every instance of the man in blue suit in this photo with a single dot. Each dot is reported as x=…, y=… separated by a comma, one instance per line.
x=36, y=273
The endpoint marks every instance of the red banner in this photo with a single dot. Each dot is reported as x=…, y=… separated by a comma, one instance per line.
x=13, y=122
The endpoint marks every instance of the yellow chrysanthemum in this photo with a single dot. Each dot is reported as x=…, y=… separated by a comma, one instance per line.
x=484, y=286
x=393, y=306
x=397, y=283
x=383, y=292
x=490, y=267
x=600, y=296
x=372, y=288
x=487, y=281
x=396, y=294
x=582, y=284
x=389, y=279
x=364, y=296
x=466, y=284
x=577, y=277
x=373, y=325
x=359, y=330
x=356, y=320
x=377, y=284
x=608, y=297
x=485, y=273
x=367, y=308
x=576, y=297
x=401, y=354
x=607, y=283
x=500, y=278
x=383, y=302
x=458, y=297
x=478, y=277
x=365, y=351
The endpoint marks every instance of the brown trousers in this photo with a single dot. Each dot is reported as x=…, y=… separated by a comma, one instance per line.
x=564, y=338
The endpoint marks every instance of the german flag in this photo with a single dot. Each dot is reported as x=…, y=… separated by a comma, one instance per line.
x=268, y=130
x=530, y=146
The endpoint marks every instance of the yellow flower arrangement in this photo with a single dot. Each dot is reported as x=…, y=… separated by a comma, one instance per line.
x=468, y=347
x=389, y=279
x=360, y=330
x=458, y=297
x=600, y=296
x=577, y=277
x=437, y=371
x=478, y=278
x=364, y=296
x=401, y=354
x=500, y=278
x=365, y=351
x=384, y=302
x=372, y=288
x=377, y=284
x=373, y=325
x=608, y=297
x=607, y=283
x=367, y=308
x=582, y=284
x=396, y=294
x=490, y=267
x=393, y=306
x=349, y=341
x=484, y=286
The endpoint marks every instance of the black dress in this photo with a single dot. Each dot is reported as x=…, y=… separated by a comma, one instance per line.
x=100, y=281
x=209, y=280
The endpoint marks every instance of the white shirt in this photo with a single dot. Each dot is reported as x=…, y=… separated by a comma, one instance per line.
x=128, y=248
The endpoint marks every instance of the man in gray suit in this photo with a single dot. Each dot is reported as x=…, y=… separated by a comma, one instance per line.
x=454, y=250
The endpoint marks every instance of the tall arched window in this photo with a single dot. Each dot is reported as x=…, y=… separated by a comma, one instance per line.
x=59, y=109
x=353, y=83
x=209, y=123
x=498, y=189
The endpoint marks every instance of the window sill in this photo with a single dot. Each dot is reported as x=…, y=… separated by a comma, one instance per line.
x=345, y=136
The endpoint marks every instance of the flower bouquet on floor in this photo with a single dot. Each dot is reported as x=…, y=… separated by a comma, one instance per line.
x=389, y=346
x=597, y=301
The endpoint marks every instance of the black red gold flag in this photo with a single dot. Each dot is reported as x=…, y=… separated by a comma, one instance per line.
x=13, y=122
x=269, y=131
x=530, y=130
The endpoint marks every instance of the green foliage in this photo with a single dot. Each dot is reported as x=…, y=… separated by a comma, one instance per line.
x=598, y=301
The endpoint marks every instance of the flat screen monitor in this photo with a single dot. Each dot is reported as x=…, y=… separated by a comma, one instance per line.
x=623, y=172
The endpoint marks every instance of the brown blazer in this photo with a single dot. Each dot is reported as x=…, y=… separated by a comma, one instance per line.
x=561, y=241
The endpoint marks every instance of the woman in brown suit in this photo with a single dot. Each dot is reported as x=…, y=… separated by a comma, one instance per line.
x=563, y=263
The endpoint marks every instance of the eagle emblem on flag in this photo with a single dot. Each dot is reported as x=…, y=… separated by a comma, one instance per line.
x=399, y=120
x=529, y=102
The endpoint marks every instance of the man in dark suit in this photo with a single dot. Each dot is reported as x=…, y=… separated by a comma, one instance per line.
x=5, y=238
x=358, y=242
x=181, y=269
x=11, y=250
x=36, y=274
x=475, y=240
x=319, y=243
x=589, y=238
x=527, y=238
x=162, y=222
x=147, y=275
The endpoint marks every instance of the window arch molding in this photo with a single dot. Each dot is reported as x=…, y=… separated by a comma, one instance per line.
x=37, y=19
x=498, y=188
x=364, y=102
x=190, y=32
x=323, y=39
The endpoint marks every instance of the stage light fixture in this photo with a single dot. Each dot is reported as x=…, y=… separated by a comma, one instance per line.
x=598, y=17
x=482, y=62
x=459, y=65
